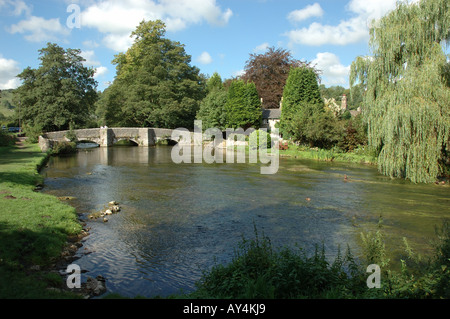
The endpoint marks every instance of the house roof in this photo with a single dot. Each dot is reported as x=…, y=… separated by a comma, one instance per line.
x=271, y=114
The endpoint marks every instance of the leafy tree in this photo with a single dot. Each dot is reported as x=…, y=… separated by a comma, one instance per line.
x=61, y=91
x=354, y=95
x=406, y=104
x=269, y=72
x=155, y=84
x=109, y=108
x=243, y=107
x=335, y=92
x=211, y=110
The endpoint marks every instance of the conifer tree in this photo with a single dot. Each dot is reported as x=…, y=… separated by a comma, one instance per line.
x=243, y=107
x=301, y=99
x=211, y=111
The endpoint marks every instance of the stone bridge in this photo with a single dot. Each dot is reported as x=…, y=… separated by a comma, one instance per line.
x=108, y=136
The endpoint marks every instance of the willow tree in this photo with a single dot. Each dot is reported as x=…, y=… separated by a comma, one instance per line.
x=407, y=99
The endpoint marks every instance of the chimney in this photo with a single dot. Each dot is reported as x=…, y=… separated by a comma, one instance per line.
x=344, y=103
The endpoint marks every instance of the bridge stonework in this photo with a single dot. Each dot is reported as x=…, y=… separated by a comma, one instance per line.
x=108, y=136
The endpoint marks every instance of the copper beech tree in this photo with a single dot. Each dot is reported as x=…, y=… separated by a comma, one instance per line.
x=269, y=71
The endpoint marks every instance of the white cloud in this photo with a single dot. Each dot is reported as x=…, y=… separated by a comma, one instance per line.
x=9, y=69
x=117, y=19
x=37, y=29
x=89, y=56
x=91, y=61
x=313, y=10
x=352, y=30
x=349, y=31
x=261, y=48
x=118, y=42
x=238, y=73
x=90, y=44
x=16, y=7
x=205, y=58
x=101, y=70
x=333, y=71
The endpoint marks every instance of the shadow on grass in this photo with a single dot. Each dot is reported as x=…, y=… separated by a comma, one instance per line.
x=20, y=249
x=25, y=179
x=15, y=155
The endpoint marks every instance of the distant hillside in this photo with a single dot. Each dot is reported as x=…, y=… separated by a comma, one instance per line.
x=6, y=103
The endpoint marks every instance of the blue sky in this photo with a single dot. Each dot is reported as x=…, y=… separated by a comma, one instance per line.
x=220, y=35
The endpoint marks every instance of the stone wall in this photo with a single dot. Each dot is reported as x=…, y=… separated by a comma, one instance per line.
x=108, y=136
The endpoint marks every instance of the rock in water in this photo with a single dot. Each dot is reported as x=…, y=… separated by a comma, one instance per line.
x=115, y=209
x=96, y=286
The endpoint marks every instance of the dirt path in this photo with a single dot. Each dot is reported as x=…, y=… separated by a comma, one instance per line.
x=20, y=142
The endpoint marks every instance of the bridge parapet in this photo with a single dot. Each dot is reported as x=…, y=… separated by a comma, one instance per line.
x=108, y=136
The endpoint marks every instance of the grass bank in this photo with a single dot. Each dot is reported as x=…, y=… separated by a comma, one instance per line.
x=34, y=227
x=361, y=156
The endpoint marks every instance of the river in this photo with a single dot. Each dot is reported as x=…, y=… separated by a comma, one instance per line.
x=178, y=220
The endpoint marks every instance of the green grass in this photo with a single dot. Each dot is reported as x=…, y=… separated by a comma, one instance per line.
x=34, y=227
x=358, y=156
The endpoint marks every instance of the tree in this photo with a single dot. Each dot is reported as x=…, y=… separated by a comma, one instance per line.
x=243, y=107
x=269, y=72
x=211, y=111
x=303, y=116
x=332, y=92
x=59, y=93
x=301, y=96
x=407, y=94
x=214, y=82
x=155, y=84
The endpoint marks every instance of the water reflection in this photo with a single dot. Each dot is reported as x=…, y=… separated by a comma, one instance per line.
x=177, y=220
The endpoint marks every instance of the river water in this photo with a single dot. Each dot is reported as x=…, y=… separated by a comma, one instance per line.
x=178, y=220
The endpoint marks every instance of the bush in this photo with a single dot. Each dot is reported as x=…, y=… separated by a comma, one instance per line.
x=32, y=133
x=63, y=148
x=355, y=134
x=419, y=278
x=260, y=271
x=71, y=136
x=6, y=139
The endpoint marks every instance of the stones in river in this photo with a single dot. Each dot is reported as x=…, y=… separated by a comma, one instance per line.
x=113, y=208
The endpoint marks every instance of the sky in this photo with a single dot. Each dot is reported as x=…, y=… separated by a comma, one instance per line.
x=219, y=35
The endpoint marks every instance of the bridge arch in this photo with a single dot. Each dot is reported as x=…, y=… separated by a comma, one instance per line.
x=109, y=136
x=126, y=141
